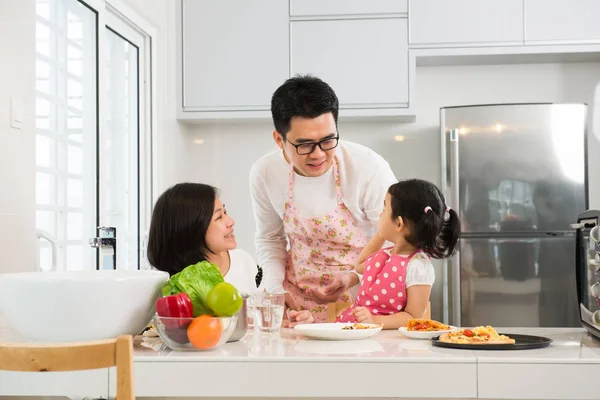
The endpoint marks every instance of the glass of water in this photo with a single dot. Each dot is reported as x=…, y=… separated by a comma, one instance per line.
x=266, y=310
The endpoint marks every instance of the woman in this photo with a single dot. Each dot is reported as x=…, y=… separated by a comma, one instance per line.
x=190, y=224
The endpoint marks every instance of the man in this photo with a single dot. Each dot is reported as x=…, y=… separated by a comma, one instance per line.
x=320, y=195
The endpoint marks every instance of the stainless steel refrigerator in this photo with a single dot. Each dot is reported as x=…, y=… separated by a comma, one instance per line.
x=517, y=175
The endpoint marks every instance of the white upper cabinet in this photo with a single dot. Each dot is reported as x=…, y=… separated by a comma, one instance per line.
x=364, y=60
x=310, y=8
x=465, y=22
x=234, y=54
x=572, y=20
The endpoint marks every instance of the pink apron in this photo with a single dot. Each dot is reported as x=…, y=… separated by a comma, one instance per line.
x=383, y=286
x=320, y=248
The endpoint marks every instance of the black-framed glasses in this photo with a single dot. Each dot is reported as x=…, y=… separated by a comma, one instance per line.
x=307, y=148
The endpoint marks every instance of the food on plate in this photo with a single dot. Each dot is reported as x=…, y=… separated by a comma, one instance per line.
x=204, y=332
x=175, y=306
x=426, y=325
x=198, y=281
x=479, y=335
x=359, y=326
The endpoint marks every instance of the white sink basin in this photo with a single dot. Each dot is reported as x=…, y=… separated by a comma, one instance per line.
x=79, y=305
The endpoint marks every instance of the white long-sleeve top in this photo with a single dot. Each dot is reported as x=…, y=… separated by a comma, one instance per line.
x=365, y=178
x=242, y=271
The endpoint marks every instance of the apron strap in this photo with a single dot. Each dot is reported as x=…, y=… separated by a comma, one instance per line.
x=290, y=183
x=338, y=182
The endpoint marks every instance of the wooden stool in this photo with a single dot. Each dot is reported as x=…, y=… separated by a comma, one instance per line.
x=118, y=353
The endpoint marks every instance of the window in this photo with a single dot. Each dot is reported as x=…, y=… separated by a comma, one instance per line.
x=93, y=113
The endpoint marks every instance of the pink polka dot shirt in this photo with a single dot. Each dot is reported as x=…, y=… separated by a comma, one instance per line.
x=383, y=286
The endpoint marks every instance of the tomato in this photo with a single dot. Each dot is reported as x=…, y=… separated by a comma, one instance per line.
x=421, y=327
x=484, y=335
x=468, y=333
x=205, y=331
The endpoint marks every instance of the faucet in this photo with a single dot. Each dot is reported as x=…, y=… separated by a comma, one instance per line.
x=105, y=241
x=42, y=234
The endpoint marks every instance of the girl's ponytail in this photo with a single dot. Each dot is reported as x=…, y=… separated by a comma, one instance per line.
x=450, y=233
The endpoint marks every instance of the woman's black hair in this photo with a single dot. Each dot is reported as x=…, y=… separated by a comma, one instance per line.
x=422, y=205
x=178, y=228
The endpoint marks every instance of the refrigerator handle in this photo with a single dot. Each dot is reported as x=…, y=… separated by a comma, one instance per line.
x=454, y=203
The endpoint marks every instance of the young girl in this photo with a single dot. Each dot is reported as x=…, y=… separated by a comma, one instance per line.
x=190, y=224
x=397, y=280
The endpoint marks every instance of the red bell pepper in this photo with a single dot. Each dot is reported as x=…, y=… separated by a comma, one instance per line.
x=175, y=306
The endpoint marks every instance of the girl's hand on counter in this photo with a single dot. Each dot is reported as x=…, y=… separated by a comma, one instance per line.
x=363, y=315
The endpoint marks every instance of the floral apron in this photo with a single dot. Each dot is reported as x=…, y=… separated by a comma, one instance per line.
x=320, y=248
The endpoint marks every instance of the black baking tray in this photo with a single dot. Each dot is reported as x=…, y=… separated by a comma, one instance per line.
x=522, y=342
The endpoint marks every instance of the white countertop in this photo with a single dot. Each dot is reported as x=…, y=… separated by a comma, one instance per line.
x=386, y=365
x=570, y=345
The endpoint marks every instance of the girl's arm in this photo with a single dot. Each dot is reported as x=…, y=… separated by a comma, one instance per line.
x=418, y=297
x=372, y=246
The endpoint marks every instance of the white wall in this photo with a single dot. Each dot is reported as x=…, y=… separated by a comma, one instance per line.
x=17, y=149
x=172, y=138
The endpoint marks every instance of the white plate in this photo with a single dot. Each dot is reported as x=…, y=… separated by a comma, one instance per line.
x=424, y=335
x=335, y=331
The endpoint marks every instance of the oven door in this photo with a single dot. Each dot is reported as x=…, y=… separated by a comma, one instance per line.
x=588, y=271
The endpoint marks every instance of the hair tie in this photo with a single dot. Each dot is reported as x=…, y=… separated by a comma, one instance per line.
x=448, y=209
x=427, y=209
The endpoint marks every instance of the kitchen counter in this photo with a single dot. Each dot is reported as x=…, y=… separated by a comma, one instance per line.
x=386, y=365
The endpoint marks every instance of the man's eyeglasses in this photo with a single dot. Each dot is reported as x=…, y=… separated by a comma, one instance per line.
x=307, y=148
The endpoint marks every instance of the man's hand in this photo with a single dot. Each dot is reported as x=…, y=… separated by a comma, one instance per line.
x=300, y=317
x=332, y=292
x=363, y=315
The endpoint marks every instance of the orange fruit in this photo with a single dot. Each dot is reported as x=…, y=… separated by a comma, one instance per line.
x=204, y=332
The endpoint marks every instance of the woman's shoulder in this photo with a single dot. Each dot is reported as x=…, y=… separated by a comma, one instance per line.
x=242, y=257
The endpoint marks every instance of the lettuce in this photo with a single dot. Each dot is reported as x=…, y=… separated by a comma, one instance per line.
x=197, y=281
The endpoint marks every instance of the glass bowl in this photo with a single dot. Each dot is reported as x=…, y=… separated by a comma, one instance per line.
x=185, y=334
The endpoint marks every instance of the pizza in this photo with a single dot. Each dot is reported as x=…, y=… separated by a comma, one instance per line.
x=478, y=335
x=425, y=325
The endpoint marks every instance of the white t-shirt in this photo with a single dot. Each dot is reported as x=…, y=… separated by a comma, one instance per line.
x=242, y=271
x=419, y=270
x=365, y=178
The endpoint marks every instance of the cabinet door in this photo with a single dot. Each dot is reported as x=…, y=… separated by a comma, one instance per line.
x=466, y=22
x=307, y=8
x=364, y=60
x=571, y=20
x=235, y=53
